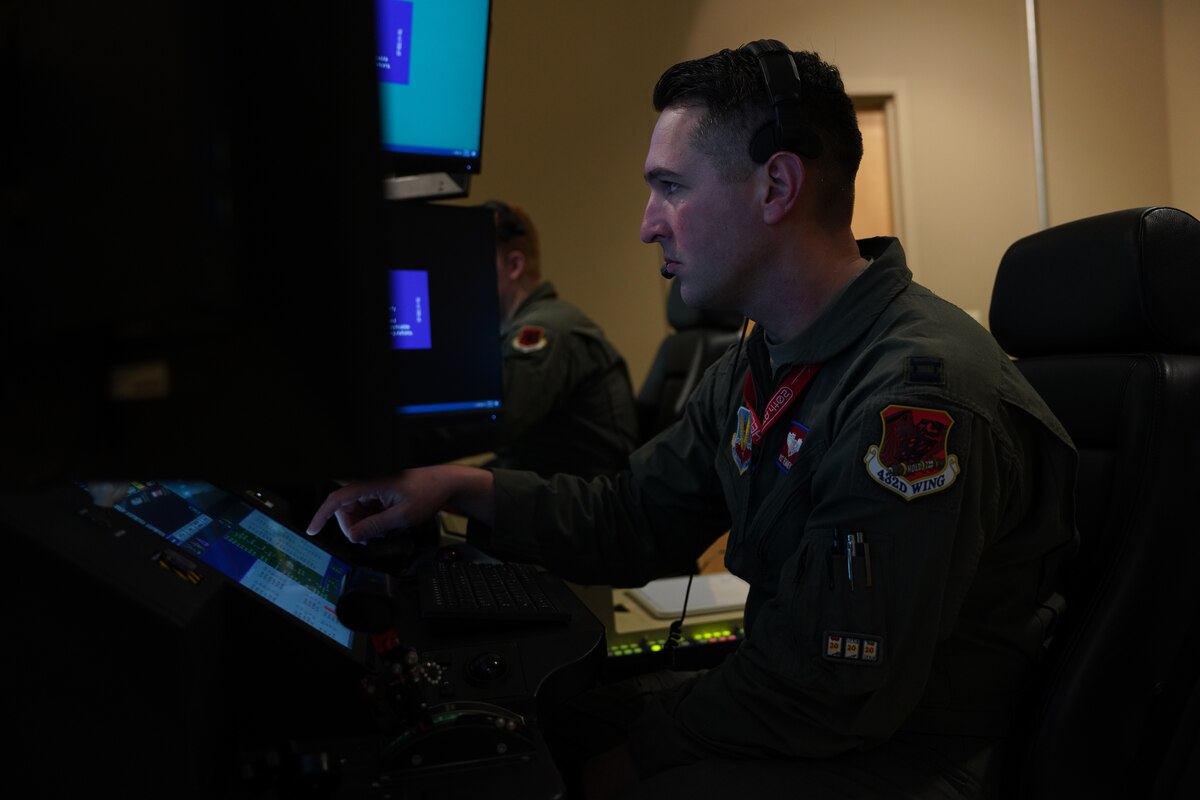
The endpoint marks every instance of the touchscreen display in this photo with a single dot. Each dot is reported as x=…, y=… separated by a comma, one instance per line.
x=248, y=546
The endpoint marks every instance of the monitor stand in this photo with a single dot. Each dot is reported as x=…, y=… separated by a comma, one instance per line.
x=441, y=185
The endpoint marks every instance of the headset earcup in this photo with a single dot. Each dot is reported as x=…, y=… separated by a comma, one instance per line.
x=787, y=131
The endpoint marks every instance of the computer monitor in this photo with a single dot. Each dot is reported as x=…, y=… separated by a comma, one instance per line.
x=442, y=291
x=432, y=69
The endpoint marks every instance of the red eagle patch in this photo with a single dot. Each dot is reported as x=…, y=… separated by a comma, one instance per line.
x=911, y=458
x=529, y=339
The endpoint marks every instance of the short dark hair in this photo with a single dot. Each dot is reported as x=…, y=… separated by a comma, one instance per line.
x=515, y=231
x=729, y=85
x=509, y=224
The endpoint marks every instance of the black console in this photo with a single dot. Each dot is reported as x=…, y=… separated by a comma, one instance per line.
x=188, y=640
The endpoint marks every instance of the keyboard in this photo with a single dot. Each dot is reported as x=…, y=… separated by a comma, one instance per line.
x=484, y=591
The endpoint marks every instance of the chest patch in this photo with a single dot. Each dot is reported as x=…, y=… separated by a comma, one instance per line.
x=740, y=447
x=911, y=458
x=530, y=339
x=790, y=449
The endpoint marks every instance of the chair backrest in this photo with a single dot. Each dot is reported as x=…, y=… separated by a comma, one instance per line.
x=1100, y=315
x=698, y=339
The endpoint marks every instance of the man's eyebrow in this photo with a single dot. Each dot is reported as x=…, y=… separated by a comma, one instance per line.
x=661, y=174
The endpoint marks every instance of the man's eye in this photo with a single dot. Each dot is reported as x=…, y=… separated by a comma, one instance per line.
x=670, y=187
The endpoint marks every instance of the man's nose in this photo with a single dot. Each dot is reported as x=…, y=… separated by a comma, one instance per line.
x=652, y=226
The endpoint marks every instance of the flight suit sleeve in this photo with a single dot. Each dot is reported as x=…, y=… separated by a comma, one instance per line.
x=541, y=366
x=652, y=520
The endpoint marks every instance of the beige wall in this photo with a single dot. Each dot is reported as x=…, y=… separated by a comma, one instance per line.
x=1181, y=20
x=566, y=124
x=569, y=116
x=1104, y=95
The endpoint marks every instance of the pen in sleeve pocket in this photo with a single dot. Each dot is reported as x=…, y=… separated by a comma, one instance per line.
x=866, y=551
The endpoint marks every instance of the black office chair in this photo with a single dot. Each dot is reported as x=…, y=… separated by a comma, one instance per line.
x=699, y=338
x=1101, y=316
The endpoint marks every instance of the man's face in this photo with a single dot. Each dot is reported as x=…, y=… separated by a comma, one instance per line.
x=704, y=224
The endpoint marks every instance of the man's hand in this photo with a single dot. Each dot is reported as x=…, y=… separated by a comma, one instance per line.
x=370, y=509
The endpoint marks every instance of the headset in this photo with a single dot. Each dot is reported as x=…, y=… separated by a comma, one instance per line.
x=787, y=131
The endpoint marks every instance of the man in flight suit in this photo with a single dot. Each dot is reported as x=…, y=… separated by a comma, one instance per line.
x=897, y=495
x=568, y=400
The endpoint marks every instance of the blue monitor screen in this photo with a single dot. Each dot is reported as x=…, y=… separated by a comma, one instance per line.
x=246, y=545
x=432, y=66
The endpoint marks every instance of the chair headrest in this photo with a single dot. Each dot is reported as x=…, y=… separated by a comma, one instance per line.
x=1126, y=281
x=682, y=317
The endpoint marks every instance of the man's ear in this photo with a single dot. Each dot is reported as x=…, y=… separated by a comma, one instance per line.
x=784, y=174
x=514, y=264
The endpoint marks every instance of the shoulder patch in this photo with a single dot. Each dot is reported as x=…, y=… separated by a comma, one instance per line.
x=910, y=458
x=530, y=339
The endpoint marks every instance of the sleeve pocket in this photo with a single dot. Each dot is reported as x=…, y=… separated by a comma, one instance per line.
x=834, y=595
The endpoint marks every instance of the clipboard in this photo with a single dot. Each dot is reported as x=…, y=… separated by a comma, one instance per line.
x=716, y=593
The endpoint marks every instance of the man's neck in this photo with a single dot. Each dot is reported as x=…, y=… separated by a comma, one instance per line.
x=518, y=294
x=806, y=288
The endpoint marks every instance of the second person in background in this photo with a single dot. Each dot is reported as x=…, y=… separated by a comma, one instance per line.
x=568, y=399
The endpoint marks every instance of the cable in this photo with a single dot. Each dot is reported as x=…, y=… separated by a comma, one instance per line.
x=675, y=632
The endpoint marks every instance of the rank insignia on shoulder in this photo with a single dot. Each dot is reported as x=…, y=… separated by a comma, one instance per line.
x=924, y=369
x=911, y=458
x=530, y=339
x=858, y=648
